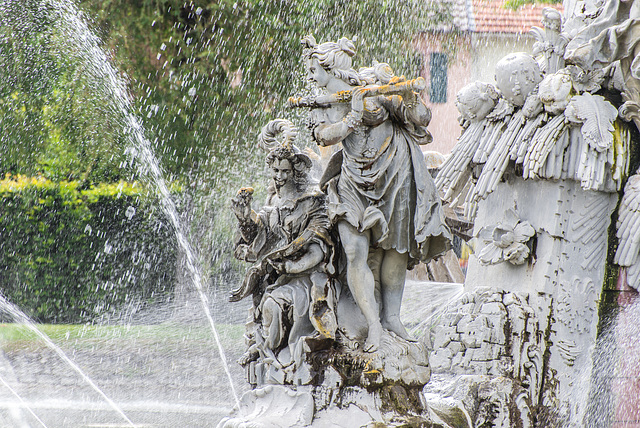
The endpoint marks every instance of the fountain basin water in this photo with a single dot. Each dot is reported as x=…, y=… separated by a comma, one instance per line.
x=161, y=375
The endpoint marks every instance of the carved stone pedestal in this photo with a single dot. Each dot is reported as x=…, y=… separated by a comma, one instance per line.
x=521, y=340
x=348, y=388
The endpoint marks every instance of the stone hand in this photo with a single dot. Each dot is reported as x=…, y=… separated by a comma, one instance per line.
x=280, y=266
x=241, y=204
x=241, y=252
x=357, y=100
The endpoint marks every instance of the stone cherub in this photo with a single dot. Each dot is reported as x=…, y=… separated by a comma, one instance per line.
x=288, y=241
x=382, y=198
x=550, y=44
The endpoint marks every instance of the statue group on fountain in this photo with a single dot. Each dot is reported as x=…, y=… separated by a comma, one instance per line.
x=375, y=212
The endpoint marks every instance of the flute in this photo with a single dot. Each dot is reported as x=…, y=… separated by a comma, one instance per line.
x=401, y=88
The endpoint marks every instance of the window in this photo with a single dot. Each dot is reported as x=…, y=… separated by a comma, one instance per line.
x=438, y=68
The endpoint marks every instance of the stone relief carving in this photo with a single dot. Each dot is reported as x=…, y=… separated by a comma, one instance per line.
x=272, y=406
x=548, y=121
x=589, y=227
x=550, y=42
x=628, y=232
x=567, y=128
x=596, y=115
x=571, y=309
x=506, y=241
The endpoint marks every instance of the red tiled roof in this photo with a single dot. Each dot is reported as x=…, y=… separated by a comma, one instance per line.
x=491, y=16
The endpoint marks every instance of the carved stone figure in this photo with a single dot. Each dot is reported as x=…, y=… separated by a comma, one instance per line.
x=288, y=241
x=555, y=92
x=550, y=45
x=476, y=100
x=382, y=198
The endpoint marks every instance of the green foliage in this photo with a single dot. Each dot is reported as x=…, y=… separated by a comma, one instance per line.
x=516, y=4
x=205, y=76
x=210, y=74
x=52, y=120
x=72, y=255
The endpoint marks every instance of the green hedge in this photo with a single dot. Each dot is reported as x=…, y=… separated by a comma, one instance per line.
x=69, y=254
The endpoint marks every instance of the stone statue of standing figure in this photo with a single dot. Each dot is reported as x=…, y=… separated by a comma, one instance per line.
x=380, y=194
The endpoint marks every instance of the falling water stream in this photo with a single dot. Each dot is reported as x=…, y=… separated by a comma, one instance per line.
x=6, y=385
x=86, y=48
x=106, y=74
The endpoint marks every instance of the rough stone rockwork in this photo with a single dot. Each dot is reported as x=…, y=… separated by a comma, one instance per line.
x=493, y=340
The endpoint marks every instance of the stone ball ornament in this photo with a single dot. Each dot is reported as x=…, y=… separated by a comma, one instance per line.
x=517, y=74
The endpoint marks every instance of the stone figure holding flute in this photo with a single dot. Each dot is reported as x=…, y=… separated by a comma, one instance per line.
x=381, y=197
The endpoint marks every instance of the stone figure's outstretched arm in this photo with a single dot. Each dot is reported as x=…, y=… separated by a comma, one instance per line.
x=328, y=134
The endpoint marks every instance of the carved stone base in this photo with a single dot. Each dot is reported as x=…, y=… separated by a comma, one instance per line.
x=348, y=388
x=279, y=406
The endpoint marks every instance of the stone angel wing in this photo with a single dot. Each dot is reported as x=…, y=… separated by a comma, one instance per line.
x=628, y=231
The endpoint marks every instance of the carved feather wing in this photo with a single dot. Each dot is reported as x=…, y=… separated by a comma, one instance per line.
x=628, y=227
x=538, y=33
x=596, y=115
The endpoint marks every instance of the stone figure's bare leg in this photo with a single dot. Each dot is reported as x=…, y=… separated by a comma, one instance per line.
x=375, y=263
x=361, y=281
x=392, y=276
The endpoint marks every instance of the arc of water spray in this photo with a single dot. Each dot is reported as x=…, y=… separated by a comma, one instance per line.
x=101, y=66
x=20, y=317
x=22, y=401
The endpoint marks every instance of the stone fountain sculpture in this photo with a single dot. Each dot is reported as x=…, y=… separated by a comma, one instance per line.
x=544, y=159
x=326, y=346
x=540, y=166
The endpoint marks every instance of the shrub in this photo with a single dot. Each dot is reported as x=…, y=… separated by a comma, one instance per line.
x=71, y=255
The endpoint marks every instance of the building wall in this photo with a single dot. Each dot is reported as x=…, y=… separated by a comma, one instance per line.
x=473, y=57
x=488, y=49
x=444, y=124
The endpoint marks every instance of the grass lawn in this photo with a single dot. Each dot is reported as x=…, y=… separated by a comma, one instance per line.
x=20, y=336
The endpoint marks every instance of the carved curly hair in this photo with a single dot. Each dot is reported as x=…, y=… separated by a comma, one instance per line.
x=334, y=57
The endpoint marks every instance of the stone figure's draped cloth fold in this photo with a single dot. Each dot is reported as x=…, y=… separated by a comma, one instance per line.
x=388, y=189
